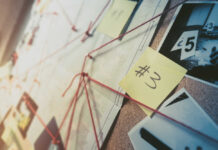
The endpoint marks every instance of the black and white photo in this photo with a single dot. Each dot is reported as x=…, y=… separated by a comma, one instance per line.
x=192, y=40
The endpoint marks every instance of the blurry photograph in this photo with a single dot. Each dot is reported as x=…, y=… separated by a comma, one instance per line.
x=25, y=115
x=191, y=40
x=10, y=136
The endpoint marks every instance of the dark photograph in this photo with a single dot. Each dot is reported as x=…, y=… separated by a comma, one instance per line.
x=192, y=41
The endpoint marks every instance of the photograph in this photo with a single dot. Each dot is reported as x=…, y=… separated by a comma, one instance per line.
x=10, y=136
x=25, y=115
x=160, y=133
x=191, y=40
x=44, y=141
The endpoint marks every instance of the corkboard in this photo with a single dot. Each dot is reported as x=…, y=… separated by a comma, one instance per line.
x=131, y=114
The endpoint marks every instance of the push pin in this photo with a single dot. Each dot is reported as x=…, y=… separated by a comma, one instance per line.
x=90, y=56
x=87, y=33
x=84, y=74
x=74, y=28
x=53, y=146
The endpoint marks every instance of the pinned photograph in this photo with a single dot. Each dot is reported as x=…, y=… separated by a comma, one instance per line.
x=191, y=40
x=25, y=114
x=159, y=133
x=10, y=136
x=15, y=125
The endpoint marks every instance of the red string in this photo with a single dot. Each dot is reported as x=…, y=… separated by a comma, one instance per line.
x=71, y=83
x=79, y=86
x=41, y=121
x=53, y=54
x=74, y=106
x=91, y=25
x=67, y=112
x=38, y=117
x=91, y=114
x=70, y=126
x=87, y=33
x=149, y=108
x=122, y=35
x=68, y=18
x=101, y=13
x=71, y=103
x=73, y=112
x=65, y=13
x=77, y=16
x=89, y=54
x=38, y=72
x=82, y=76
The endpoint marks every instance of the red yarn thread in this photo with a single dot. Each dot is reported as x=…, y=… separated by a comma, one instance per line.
x=91, y=114
x=152, y=109
x=91, y=25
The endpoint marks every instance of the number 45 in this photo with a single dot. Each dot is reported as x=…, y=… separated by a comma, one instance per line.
x=187, y=44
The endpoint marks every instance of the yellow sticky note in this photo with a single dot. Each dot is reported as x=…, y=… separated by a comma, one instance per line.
x=116, y=17
x=152, y=78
